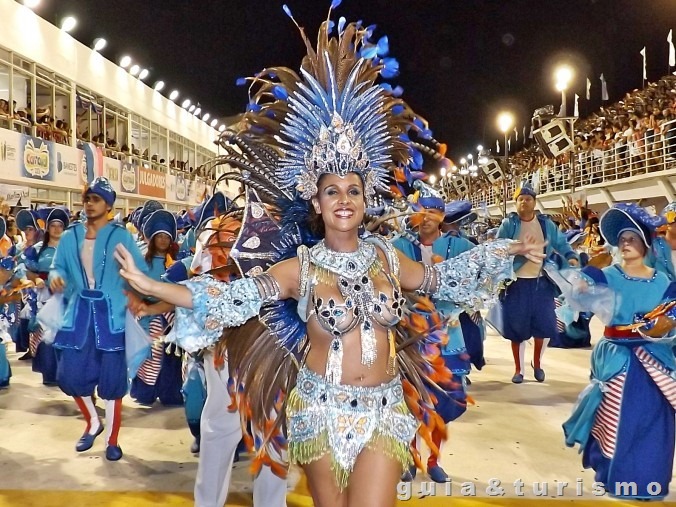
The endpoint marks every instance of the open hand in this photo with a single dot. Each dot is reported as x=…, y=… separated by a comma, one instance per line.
x=530, y=248
x=130, y=272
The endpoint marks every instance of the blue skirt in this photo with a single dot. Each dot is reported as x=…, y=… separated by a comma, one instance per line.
x=644, y=450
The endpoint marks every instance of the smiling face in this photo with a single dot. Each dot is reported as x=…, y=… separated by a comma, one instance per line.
x=340, y=202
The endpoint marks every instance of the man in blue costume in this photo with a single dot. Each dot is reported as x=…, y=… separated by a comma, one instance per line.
x=527, y=307
x=430, y=246
x=91, y=341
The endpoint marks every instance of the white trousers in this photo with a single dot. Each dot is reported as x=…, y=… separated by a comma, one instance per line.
x=220, y=433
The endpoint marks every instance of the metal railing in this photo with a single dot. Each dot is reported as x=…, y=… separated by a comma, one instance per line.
x=653, y=152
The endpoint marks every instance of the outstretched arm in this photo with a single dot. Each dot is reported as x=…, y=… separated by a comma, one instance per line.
x=472, y=278
x=204, y=305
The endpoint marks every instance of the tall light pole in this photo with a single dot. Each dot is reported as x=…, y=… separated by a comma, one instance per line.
x=563, y=76
x=505, y=122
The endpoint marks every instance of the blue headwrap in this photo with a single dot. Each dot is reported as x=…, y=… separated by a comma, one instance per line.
x=102, y=187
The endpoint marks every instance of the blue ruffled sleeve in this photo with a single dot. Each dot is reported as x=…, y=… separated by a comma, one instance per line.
x=473, y=279
x=216, y=305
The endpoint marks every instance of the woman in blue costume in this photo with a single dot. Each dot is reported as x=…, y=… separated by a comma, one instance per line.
x=624, y=420
x=38, y=260
x=31, y=225
x=318, y=148
x=160, y=375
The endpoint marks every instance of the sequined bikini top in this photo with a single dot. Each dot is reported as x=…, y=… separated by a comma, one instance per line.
x=362, y=305
x=339, y=319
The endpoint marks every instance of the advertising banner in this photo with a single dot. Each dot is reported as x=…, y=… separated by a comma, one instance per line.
x=37, y=158
x=152, y=183
x=14, y=195
x=112, y=169
x=9, y=153
x=69, y=162
x=180, y=188
x=129, y=178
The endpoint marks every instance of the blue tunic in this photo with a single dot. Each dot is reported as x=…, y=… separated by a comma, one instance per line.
x=624, y=420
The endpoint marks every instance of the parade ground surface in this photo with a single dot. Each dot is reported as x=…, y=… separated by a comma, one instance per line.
x=509, y=442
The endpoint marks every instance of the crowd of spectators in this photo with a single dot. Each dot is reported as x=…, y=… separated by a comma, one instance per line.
x=46, y=126
x=634, y=135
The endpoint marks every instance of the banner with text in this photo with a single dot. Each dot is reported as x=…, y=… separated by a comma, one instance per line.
x=152, y=183
x=14, y=195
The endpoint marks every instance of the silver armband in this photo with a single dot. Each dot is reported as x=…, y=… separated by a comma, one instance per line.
x=268, y=288
x=429, y=283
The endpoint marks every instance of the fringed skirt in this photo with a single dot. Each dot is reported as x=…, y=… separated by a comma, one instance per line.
x=342, y=420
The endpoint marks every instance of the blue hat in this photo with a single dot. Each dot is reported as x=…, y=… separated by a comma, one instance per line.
x=208, y=209
x=101, y=187
x=160, y=221
x=26, y=218
x=147, y=209
x=459, y=212
x=429, y=198
x=60, y=214
x=525, y=189
x=628, y=217
x=183, y=222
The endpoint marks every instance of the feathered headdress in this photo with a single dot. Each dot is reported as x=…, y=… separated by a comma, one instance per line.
x=332, y=118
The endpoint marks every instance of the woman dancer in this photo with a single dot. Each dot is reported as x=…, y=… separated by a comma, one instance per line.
x=160, y=375
x=319, y=147
x=30, y=224
x=38, y=263
x=624, y=421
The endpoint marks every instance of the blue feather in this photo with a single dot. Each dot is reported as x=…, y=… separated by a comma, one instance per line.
x=398, y=91
x=335, y=3
x=368, y=52
x=252, y=106
x=287, y=10
x=280, y=92
x=241, y=81
x=390, y=69
x=383, y=46
x=331, y=26
x=398, y=109
x=417, y=161
x=341, y=24
x=386, y=86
